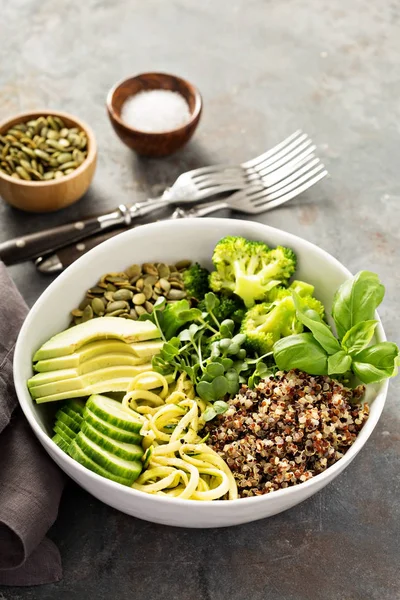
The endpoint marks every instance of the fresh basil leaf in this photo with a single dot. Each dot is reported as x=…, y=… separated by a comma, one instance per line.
x=356, y=300
x=211, y=301
x=320, y=330
x=376, y=363
x=339, y=363
x=220, y=387
x=359, y=336
x=301, y=351
x=220, y=407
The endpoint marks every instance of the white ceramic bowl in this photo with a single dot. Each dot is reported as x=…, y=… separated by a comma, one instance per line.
x=170, y=241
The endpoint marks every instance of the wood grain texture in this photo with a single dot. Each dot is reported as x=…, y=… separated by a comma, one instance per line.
x=153, y=144
x=48, y=196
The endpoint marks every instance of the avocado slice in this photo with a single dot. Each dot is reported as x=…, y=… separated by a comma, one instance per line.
x=69, y=341
x=138, y=353
x=120, y=384
x=55, y=382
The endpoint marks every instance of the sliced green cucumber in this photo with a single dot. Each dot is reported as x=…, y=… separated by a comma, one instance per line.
x=112, y=412
x=61, y=443
x=64, y=418
x=110, y=430
x=77, y=417
x=121, y=449
x=118, y=466
x=63, y=429
x=76, y=453
x=76, y=405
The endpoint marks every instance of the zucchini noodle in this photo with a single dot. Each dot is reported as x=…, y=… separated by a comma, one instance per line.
x=177, y=461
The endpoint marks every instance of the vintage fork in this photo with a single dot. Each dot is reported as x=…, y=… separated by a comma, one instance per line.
x=258, y=199
x=276, y=173
x=268, y=168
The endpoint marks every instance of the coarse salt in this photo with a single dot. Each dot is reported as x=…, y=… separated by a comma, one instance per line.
x=155, y=111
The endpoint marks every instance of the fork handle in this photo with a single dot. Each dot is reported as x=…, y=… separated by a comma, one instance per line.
x=200, y=211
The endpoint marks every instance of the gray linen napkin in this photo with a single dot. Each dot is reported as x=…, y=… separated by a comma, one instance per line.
x=30, y=483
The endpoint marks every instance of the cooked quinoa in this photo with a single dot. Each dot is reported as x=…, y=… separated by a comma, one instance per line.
x=289, y=428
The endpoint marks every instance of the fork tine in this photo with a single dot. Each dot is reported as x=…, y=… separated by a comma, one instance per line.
x=211, y=169
x=293, y=175
x=297, y=155
x=281, y=172
x=301, y=141
x=266, y=203
x=259, y=159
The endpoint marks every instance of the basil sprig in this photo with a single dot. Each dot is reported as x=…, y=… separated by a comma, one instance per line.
x=319, y=352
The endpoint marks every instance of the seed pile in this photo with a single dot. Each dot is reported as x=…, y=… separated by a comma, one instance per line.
x=133, y=292
x=42, y=149
x=291, y=427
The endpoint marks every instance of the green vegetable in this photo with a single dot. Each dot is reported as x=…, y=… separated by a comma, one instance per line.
x=218, y=408
x=173, y=316
x=302, y=352
x=250, y=269
x=266, y=323
x=319, y=352
x=195, y=279
x=356, y=300
x=230, y=307
x=208, y=351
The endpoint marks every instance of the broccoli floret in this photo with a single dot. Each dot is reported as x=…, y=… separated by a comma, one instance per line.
x=302, y=288
x=230, y=307
x=195, y=279
x=250, y=269
x=266, y=323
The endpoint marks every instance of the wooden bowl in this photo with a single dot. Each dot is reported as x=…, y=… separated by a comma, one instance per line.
x=153, y=144
x=48, y=196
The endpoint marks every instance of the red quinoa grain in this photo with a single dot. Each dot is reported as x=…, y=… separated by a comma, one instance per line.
x=289, y=428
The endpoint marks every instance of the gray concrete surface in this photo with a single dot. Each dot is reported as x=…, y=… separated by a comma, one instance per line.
x=265, y=69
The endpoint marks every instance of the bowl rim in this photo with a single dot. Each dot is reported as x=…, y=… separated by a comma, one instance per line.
x=153, y=134
x=316, y=481
x=92, y=153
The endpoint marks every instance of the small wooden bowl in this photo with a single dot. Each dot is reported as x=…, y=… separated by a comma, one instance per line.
x=49, y=196
x=153, y=144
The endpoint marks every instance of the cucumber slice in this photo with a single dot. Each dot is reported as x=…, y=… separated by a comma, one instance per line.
x=70, y=412
x=64, y=418
x=64, y=431
x=77, y=405
x=118, y=466
x=76, y=453
x=111, y=431
x=61, y=443
x=112, y=412
x=120, y=449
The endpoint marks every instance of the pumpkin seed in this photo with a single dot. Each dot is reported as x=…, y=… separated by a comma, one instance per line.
x=140, y=284
x=183, y=264
x=42, y=154
x=64, y=157
x=165, y=285
x=123, y=294
x=98, y=306
x=119, y=305
x=48, y=175
x=148, y=306
x=176, y=294
x=140, y=310
x=25, y=164
x=116, y=313
x=58, y=175
x=87, y=313
x=23, y=173
x=163, y=270
x=133, y=271
x=139, y=299
x=150, y=279
x=150, y=268
x=147, y=291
